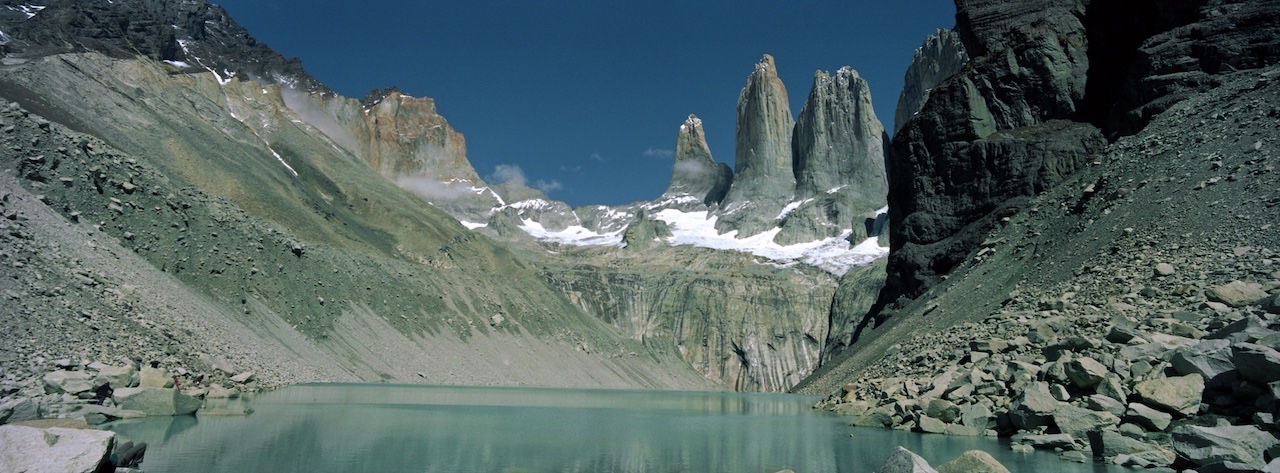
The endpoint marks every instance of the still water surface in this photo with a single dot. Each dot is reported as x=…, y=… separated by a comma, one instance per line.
x=386, y=428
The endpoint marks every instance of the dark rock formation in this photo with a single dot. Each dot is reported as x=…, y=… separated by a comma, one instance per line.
x=940, y=57
x=644, y=232
x=1027, y=109
x=695, y=173
x=195, y=32
x=763, y=178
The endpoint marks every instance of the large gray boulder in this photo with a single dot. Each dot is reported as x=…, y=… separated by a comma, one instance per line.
x=973, y=461
x=1034, y=408
x=156, y=401
x=1257, y=363
x=72, y=382
x=1108, y=444
x=1208, y=358
x=1237, y=294
x=1176, y=395
x=1079, y=421
x=1085, y=372
x=1243, y=444
x=53, y=450
x=904, y=461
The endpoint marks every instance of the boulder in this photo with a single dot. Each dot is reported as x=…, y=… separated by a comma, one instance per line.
x=1272, y=304
x=1247, y=329
x=71, y=382
x=931, y=425
x=943, y=410
x=217, y=391
x=243, y=377
x=1150, y=419
x=1237, y=294
x=154, y=378
x=977, y=416
x=118, y=376
x=1209, y=358
x=53, y=450
x=1085, y=372
x=1079, y=421
x=1099, y=402
x=1034, y=408
x=1257, y=363
x=973, y=461
x=1177, y=395
x=1109, y=444
x=19, y=410
x=904, y=461
x=1164, y=269
x=156, y=401
x=1050, y=441
x=1225, y=443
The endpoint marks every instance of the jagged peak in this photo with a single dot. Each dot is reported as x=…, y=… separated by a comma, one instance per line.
x=692, y=122
x=766, y=65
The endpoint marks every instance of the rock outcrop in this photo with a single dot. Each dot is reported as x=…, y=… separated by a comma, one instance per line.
x=695, y=173
x=1045, y=82
x=839, y=158
x=764, y=180
x=940, y=57
x=55, y=450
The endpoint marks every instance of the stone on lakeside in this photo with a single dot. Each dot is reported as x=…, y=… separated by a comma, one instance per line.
x=943, y=410
x=1034, y=408
x=1225, y=443
x=156, y=401
x=242, y=377
x=72, y=382
x=1122, y=335
x=118, y=376
x=931, y=425
x=1237, y=294
x=19, y=410
x=217, y=391
x=1257, y=363
x=1164, y=269
x=1177, y=395
x=150, y=377
x=53, y=450
x=1147, y=417
x=1109, y=444
x=905, y=461
x=977, y=416
x=1209, y=358
x=973, y=461
x=1050, y=441
x=1079, y=422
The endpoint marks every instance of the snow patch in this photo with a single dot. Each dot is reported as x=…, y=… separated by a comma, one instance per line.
x=575, y=235
x=472, y=225
x=834, y=255
x=792, y=206
x=286, y=165
x=178, y=64
x=833, y=190
x=29, y=10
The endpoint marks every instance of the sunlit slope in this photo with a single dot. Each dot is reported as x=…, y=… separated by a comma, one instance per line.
x=241, y=199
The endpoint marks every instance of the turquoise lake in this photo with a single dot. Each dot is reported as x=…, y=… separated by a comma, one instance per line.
x=392, y=428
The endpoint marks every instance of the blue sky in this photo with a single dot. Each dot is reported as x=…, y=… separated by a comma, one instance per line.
x=585, y=98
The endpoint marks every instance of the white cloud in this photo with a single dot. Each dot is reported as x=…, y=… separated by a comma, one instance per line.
x=596, y=157
x=510, y=177
x=659, y=153
x=547, y=186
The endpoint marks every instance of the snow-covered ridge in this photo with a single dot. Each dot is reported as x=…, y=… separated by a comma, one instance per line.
x=29, y=10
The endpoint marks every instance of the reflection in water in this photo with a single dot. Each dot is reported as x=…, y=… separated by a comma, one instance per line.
x=318, y=428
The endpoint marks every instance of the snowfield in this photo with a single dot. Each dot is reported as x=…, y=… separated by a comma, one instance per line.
x=834, y=255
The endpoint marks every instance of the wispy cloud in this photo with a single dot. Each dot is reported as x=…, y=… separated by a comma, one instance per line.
x=511, y=178
x=659, y=153
x=573, y=169
x=596, y=157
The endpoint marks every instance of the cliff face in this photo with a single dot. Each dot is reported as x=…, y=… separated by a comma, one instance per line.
x=940, y=57
x=1046, y=81
x=695, y=173
x=839, y=152
x=745, y=326
x=763, y=179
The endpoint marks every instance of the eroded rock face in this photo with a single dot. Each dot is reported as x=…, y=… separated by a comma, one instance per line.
x=1094, y=68
x=763, y=178
x=940, y=57
x=839, y=152
x=695, y=173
